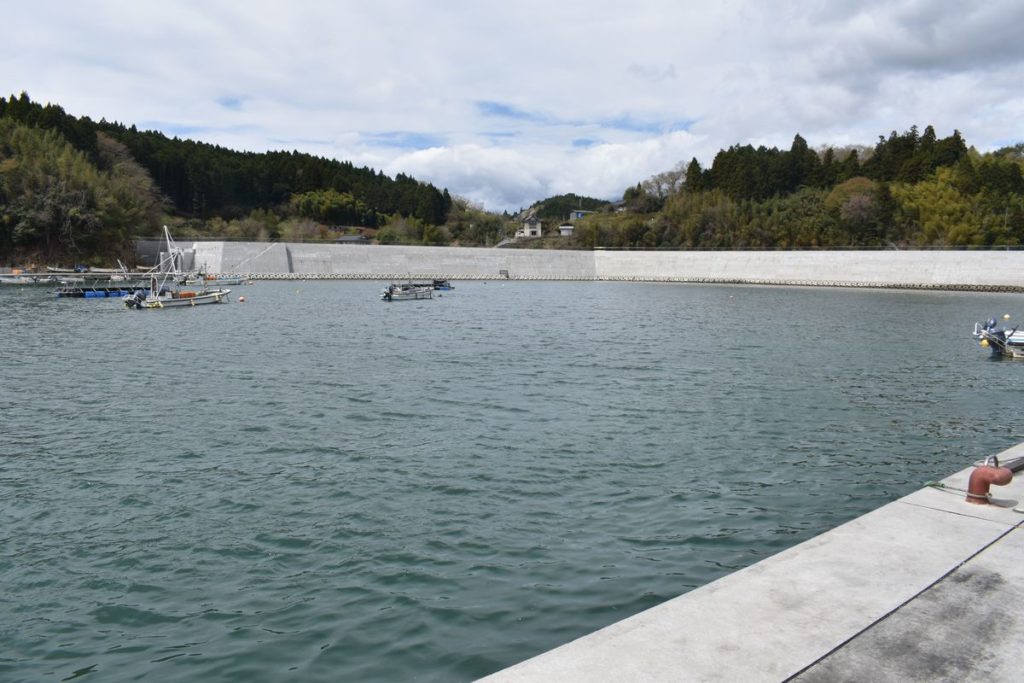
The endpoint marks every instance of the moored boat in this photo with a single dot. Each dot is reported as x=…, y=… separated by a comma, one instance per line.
x=406, y=292
x=1003, y=342
x=164, y=290
x=439, y=285
x=174, y=298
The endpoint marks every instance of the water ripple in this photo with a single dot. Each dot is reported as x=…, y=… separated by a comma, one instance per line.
x=316, y=486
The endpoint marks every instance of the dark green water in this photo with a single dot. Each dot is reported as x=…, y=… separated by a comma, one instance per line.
x=316, y=485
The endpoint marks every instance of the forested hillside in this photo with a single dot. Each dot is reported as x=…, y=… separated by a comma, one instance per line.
x=72, y=189
x=557, y=208
x=58, y=178
x=911, y=190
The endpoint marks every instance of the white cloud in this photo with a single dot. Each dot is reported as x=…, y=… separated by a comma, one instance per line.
x=507, y=102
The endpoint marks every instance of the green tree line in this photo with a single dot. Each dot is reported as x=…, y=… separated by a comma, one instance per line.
x=72, y=188
x=911, y=190
x=194, y=180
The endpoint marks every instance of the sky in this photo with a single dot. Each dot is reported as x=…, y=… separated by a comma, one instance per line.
x=507, y=102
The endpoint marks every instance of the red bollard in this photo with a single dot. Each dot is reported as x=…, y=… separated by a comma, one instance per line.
x=984, y=476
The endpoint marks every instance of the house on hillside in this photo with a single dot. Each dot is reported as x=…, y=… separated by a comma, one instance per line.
x=566, y=228
x=532, y=227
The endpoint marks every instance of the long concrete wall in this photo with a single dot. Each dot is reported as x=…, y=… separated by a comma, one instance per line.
x=986, y=270
x=996, y=269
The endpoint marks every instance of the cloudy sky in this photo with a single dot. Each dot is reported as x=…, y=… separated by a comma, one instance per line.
x=506, y=102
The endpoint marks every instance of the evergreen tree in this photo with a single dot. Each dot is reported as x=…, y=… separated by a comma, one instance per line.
x=694, y=176
x=802, y=166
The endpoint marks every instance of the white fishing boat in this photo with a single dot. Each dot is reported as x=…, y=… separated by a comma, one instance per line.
x=1003, y=342
x=406, y=292
x=163, y=296
x=164, y=286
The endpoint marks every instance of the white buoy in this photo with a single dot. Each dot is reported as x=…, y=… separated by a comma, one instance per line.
x=241, y=299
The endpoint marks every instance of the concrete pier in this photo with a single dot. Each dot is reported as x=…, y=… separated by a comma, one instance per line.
x=990, y=270
x=927, y=588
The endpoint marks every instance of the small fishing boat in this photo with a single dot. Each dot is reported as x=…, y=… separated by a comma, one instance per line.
x=164, y=286
x=160, y=295
x=406, y=292
x=438, y=285
x=1003, y=342
x=174, y=298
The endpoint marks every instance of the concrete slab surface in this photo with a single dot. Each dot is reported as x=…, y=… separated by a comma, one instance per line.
x=919, y=576
x=965, y=628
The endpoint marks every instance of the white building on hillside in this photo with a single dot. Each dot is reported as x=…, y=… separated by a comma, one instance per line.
x=532, y=227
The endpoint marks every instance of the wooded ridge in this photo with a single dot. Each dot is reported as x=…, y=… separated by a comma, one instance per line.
x=75, y=189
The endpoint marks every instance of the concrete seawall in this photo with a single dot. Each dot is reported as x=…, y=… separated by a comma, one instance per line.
x=976, y=270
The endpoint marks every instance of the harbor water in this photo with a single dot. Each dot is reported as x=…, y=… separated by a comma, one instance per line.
x=317, y=485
